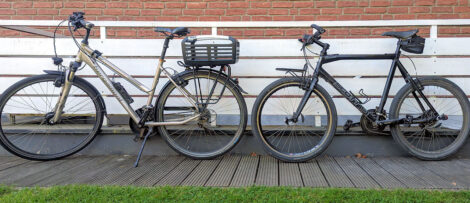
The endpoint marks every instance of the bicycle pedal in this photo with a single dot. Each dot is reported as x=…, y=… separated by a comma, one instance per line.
x=349, y=124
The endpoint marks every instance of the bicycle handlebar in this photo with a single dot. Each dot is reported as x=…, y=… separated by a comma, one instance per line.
x=78, y=21
x=315, y=38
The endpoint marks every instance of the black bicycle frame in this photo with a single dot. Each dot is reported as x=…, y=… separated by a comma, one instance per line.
x=325, y=58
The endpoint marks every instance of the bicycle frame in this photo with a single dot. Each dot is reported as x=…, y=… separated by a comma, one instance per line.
x=84, y=55
x=320, y=72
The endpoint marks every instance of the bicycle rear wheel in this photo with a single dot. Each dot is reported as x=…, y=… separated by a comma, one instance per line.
x=293, y=141
x=438, y=138
x=27, y=107
x=221, y=124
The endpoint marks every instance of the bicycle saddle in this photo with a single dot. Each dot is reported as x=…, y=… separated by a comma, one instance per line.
x=181, y=31
x=401, y=35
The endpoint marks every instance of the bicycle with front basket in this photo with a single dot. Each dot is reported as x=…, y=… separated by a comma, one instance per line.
x=295, y=118
x=199, y=112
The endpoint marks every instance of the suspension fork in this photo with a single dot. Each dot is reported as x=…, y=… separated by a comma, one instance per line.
x=69, y=76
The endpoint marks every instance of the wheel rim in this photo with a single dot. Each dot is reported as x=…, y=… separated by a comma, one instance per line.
x=26, y=112
x=215, y=132
x=436, y=136
x=300, y=139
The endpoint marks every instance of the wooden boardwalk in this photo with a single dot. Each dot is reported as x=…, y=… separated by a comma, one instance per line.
x=237, y=171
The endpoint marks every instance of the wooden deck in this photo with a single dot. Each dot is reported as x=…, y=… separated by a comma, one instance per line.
x=237, y=171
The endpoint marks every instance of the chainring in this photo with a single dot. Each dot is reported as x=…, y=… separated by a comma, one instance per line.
x=369, y=127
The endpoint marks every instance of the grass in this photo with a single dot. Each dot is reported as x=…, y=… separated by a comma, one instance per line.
x=86, y=193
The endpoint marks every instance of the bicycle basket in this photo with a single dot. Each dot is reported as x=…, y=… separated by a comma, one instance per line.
x=414, y=45
x=206, y=50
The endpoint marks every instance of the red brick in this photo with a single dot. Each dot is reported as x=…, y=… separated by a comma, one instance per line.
x=132, y=12
x=218, y=5
x=135, y=5
x=330, y=11
x=404, y=17
x=90, y=12
x=323, y=4
x=398, y=10
x=48, y=12
x=150, y=12
x=44, y=18
x=442, y=9
x=273, y=32
x=297, y=32
x=360, y=31
x=326, y=17
x=235, y=12
x=5, y=5
x=196, y=5
x=461, y=9
x=278, y=11
x=117, y=5
x=447, y=2
x=171, y=12
x=233, y=32
x=282, y=4
x=254, y=32
x=187, y=18
x=447, y=30
x=465, y=30
x=348, y=17
x=145, y=18
x=402, y=3
x=379, y=3
x=239, y=4
x=112, y=12
x=303, y=4
x=260, y=4
x=353, y=10
x=175, y=5
x=261, y=18
x=209, y=18
x=166, y=18
x=43, y=5
x=371, y=17
x=193, y=12
x=424, y=2
x=21, y=18
x=283, y=18
x=95, y=5
x=376, y=10
x=125, y=33
x=230, y=18
x=341, y=4
x=22, y=4
x=214, y=12
x=338, y=31
x=309, y=11
x=420, y=9
x=74, y=5
x=305, y=18
x=427, y=16
x=447, y=16
x=26, y=12
x=257, y=12
x=154, y=5
x=7, y=12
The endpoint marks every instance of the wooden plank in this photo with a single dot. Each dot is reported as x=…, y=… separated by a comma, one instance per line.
x=201, y=173
x=289, y=174
x=427, y=175
x=356, y=174
x=333, y=173
x=223, y=174
x=135, y=173
x=449, y=171
x=312, y=176
x=13, y=163
x=177, y=175
x=380, y=175
x=246, y=171
x=405, y=176
x=154, y=175
x=6, y=159
x=268, y=173
x=11, y=175
x=108, y=175
x=64, y=176
x=45, y=174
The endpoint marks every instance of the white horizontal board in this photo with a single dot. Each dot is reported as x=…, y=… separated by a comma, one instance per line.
x=253, y=67
x=248, y=47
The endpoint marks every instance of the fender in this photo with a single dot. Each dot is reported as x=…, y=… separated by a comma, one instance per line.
x=100, y=98
x=177, y=76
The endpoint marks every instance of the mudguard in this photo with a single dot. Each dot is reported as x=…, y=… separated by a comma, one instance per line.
x=100, y=98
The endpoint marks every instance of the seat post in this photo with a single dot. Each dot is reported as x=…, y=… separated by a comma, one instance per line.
x=165, y=46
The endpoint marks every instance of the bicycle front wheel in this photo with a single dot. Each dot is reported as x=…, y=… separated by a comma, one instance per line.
x=437, y=138
x=293, y=141
x=27, y=107
x=222, y=119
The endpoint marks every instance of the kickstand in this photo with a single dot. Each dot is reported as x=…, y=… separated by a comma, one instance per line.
x=142, y=147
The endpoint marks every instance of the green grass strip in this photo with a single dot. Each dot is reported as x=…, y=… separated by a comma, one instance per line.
x=86, y=193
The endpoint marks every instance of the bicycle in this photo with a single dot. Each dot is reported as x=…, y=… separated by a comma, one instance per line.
x=199, y=112
x=295, y=119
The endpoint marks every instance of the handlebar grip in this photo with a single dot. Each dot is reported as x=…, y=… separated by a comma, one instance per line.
x=318, y=28
x=86, y=24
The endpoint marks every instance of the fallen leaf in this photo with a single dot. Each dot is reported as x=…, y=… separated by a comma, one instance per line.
x=348, y=156
x=454, y=183
x=358, y=155
x=253, y=154
x=364, y=156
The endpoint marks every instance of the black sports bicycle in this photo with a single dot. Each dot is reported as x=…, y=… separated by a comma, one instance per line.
x=295, y=118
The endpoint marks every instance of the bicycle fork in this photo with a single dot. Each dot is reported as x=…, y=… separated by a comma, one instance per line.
x=69, y=76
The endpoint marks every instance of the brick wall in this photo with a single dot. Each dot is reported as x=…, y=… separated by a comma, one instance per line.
x=197, y=10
